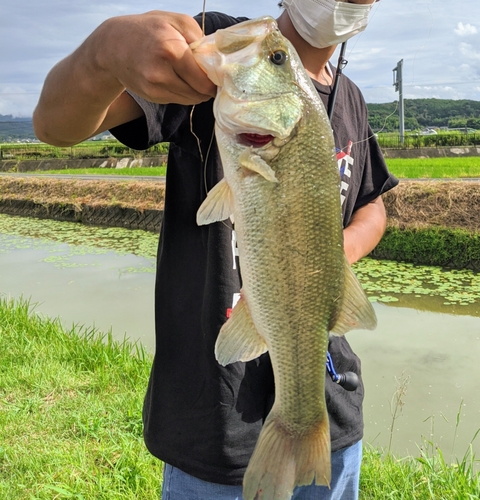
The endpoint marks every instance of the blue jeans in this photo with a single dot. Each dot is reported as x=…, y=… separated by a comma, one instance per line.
x=345, y=480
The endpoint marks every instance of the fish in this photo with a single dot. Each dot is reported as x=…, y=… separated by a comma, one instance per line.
x=281, y=189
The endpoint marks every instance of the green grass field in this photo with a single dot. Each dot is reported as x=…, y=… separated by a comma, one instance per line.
x=136, y=171
x=434, y=168
x=70, y=413
x=410, y=168
x=71, y=427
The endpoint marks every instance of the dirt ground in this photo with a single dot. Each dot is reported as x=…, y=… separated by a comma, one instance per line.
x=453, y=204
x=139, y=195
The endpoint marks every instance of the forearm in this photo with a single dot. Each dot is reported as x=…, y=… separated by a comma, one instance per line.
x=75, y=98
x=365, y=230
x=148, y=54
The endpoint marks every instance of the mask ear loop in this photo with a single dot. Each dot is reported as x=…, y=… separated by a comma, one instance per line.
x=342, y=62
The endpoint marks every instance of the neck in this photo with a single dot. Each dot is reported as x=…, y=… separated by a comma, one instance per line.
x=314, y=60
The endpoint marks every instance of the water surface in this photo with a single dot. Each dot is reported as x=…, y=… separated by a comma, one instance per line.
x=427, y=340
x=434, y=357
x=85, y=282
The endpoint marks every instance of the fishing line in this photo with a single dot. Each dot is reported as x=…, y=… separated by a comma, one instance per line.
x=357, y=38
x=351, y=51
x=195, y=135
x=203, y=159
x=206, y=160
x=203, y=16
x=373, y=135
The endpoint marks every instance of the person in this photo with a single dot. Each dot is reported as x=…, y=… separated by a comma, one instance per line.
x=136, y=76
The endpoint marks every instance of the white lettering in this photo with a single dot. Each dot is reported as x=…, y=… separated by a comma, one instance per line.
x=236, y=298
x=234, y=249
x=348, y=162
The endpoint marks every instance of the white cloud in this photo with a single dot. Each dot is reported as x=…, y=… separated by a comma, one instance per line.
x=467, y=51
x=465, y=29
x=39, y=34
x=17, y=101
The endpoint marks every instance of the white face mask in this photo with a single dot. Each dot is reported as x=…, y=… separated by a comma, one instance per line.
x=323, y=23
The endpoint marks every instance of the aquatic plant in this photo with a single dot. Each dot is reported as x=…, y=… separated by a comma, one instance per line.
x=423, y=287
x=403, y=284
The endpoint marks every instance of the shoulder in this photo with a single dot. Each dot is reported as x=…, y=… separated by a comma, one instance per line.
x=217, y=20
x=353, y=93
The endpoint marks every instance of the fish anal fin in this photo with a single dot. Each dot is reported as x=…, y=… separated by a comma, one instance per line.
x=283, y=460
x=257, y=164
x=357, y=311
x=217, y=206
x=238, y=339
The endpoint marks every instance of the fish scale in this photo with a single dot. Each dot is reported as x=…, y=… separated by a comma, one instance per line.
x=283, y=195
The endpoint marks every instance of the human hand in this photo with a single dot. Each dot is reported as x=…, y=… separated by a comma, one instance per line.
x=149, y=54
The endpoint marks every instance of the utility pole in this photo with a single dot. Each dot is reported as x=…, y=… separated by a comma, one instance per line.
x=398, y=83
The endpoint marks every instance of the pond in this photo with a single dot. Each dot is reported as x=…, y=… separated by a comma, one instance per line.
x=420, y=370
x=419, y=365
x=102, y=278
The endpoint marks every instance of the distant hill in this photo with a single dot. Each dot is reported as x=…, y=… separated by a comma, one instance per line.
x=420, y=113
x=13, y=129
x=21, y=129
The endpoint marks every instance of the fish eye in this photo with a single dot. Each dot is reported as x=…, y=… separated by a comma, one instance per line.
x=278, y=57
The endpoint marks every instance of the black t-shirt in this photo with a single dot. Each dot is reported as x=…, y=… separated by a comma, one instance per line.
x=199, y=416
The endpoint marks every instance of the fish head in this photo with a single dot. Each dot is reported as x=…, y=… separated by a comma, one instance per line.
x=260, y=80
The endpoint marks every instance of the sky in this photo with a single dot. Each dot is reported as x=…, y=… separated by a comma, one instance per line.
x=438, y=41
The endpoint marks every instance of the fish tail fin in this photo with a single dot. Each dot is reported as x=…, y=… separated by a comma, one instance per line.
x=283, y=460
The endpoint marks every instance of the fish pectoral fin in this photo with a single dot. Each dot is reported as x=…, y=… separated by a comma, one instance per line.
x=357, y=311
x=255, y=163
x=217, y=206
x=238, y=339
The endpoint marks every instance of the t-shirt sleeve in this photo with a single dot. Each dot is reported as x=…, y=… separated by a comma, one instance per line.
x=365, y=175
x=217, y=20
x=376, y=177
x=145, y=131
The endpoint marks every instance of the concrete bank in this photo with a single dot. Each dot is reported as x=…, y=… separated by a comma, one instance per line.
x=446, y=152
x=155, y=161
x=61, y=164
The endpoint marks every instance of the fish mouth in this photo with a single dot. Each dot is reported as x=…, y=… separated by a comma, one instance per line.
x=255, y=140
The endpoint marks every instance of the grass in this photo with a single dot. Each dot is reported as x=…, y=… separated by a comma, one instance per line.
x=428, y=477
x=70, y=423
x=408, y=168
x=70, y=412
x=433, y=246
x=434, y=168
x=135, y=171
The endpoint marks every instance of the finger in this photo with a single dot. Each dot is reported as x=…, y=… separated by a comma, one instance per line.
x=188, y=69
x=193, y=75
x=171, y=89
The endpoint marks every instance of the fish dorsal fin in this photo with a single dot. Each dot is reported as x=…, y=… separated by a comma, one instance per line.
x=217, y=206
x=239, y=339
x=356, y=311
x=256, y=163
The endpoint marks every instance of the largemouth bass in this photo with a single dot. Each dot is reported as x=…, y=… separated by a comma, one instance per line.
x=281, y=187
